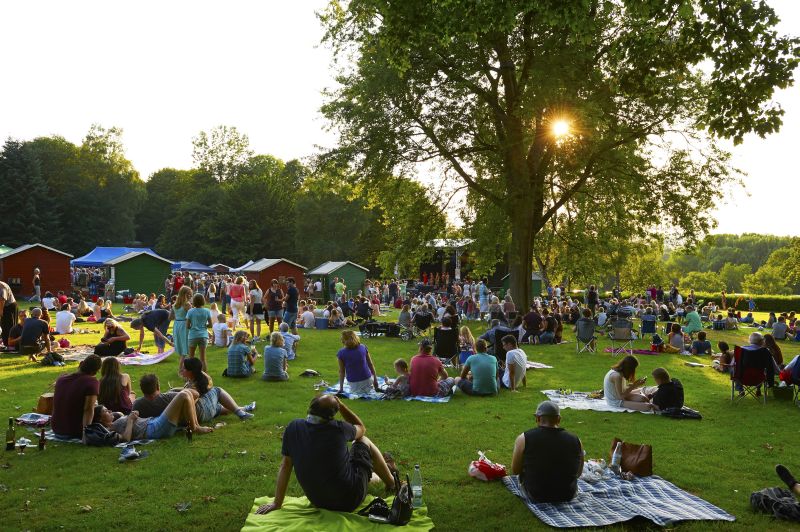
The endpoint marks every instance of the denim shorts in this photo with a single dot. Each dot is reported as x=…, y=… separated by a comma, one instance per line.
x=208, y=406
x=198, y=342
x=290, y=318
x=160, y=427
x=275, y=313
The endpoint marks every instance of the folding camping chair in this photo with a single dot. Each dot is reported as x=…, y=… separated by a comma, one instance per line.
x=445, y=345
x=584, y=336
x=621, y=337
x=421, y=324
x=648, y=327
x=750, y=372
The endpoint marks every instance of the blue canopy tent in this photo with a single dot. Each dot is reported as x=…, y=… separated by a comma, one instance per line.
x=191, y=266
x=100, y=255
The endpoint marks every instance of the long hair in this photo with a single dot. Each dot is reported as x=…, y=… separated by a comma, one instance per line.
x=183, y=296
x=110, y=381
x=774, y=348
x=627, y=366
x=198, y=377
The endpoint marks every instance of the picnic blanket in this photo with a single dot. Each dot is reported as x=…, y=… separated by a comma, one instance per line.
x=582, y=401
x=378, y=396
x=140, y=359
x=297, y=513
x=614, y=500
x=634, y=351
x=76, y=353
x=51, y=436
x=530, y=364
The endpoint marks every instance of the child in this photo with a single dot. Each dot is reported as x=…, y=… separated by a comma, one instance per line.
x=701, y=346
x=400, y=385
x=466, y=344
x=214, y=312
x=724, y=360
x=241, y=356
x=222, y=336
x=669, y=393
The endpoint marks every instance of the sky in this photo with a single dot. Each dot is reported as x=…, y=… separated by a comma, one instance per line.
x=164, y=71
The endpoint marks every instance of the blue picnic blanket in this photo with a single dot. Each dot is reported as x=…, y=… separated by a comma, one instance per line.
x=614, y=500
x=378, y=396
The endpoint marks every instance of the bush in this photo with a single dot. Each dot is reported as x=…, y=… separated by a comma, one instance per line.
x=768, y=303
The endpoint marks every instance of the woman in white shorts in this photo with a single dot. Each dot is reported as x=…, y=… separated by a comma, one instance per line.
x=238, y=298
x=255, y=309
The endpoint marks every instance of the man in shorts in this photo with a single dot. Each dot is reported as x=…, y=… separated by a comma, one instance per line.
x=332, y=476
x=290, y=314
x=156, y=321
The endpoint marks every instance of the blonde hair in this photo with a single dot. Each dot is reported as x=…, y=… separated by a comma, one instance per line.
x=240, y=337
x=276, y=339
x=466, y=334
x=401, y=363
x=213, y=306
x=108, y=304
x=183, y=296
x=112, y=322
x=350, y=340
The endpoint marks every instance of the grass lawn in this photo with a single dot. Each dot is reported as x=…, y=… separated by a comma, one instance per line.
x=722, y=458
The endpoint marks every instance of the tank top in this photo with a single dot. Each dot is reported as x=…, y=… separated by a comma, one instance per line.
x=550, y=464
x=236, y=291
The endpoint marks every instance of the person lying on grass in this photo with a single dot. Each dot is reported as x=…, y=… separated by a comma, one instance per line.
x=332, y=476
x=180, y=411
x=629, y=396
x=213, y=400
x=547, y=458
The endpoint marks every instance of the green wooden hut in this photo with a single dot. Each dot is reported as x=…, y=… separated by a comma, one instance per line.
x=352, y=274
x=139, y=272
x=536, y=284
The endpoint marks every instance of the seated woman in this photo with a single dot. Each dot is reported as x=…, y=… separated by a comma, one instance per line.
x=404, y=319
x=114, y=340
x=375, y=305
x=15, y=334
x=466, y=344
x=276, y=359
x=621, y=389
x=107, y=311
x=775, y=351
x=508, y=305
x=676, y=342
x=663, y=313
x=84, y=309
x=701, y=346
x=731, y=323
x=723, y=362
x=355, y=364
x=213, y=401
x=496, y=309
x=451, y=312
x=97, y=310
x=771, y=320
x=115, y=387
x=180, y=411
x=241, y=356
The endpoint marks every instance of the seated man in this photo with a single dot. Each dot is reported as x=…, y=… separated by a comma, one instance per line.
x=290, y=341
x=64, y=320
x=35, y=335
x=153, y=402
x=701, y=346
x=363, y=311
x=156, y=321
x=307, y=320
x=490, y=333
x=779, y=328
x=74, y=398
x=669, y=392
x=757, y=356
x=331, y=475
x=515, y=366
x=484, y=372
x=180, y=411
x=428, y=376
x=548, y=459
x=731, y=323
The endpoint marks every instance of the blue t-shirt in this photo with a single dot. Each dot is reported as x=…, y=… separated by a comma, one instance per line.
x=702, y=348
x=237, y=360
x=199, y=318
x=273, y=361
x=291, y=299
x=484, y=373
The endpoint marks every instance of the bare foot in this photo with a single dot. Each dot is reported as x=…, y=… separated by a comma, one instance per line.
x=203, y=430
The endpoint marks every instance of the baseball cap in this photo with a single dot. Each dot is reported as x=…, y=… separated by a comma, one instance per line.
x=425, y=342
x=548, y=408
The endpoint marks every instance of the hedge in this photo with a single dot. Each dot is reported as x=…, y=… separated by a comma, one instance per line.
x=764, y=303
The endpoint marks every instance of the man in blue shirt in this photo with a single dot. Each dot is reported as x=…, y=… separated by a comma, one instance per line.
x=484, y=372
x=290, y=314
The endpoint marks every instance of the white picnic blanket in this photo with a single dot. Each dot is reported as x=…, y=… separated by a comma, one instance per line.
x=530, y=364
x=140, y=359
x=582, y=401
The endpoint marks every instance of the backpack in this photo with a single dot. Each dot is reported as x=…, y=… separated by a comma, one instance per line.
x=400, y=512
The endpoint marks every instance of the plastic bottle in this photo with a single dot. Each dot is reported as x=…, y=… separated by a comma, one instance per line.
x=11, y=435
x=416, y=487
x=616, y=459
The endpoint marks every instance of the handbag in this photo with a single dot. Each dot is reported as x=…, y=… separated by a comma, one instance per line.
x=400, y=512
x=636, y=458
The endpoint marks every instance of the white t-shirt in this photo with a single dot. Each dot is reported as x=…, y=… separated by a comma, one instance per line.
x=520, y=361
x=64, y=321
x=318, y=286
x=308, y=319
x=326, y=313
x=49, y=303
x=218, y=328
x=255, y=296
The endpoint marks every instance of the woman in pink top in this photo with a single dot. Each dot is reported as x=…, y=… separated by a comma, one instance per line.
x=238, y=295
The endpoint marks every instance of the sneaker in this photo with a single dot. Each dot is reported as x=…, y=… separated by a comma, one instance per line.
x=128, y=453
x=785, y=476
x=250, y=407
x=244, y=415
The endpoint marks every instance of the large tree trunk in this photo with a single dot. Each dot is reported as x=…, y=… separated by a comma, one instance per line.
x=520, y=257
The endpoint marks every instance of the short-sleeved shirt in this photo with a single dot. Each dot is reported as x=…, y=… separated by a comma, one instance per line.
x=288, y=341
x=237, y=360
x=155, y=406
x=702, y=347
x=519, y=360
x=339, y=288
x=33, y=329
x=199, y=318
x=355, y=363
x=291, y=299
x=484, y=373
x=322, y=461
x=6, y=294
x=139, y=431
x=64, y=321
x=69, y=398
x=669, y=395
x=218, y=328
x=425, y=375
x=779, y=329
x=308, y=319
x=273, y=361
x=155, y=318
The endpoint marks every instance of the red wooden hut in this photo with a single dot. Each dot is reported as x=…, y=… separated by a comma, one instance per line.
x=17, y=265
x=265, y=270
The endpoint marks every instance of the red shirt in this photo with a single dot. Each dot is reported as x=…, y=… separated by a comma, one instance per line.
x=62, y=299
x=178, y=283
x=68, y=400
x=425, y=375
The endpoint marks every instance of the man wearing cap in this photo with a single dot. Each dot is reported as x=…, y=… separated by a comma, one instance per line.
x=547, y=458
x=428, y=376
x=331, y=475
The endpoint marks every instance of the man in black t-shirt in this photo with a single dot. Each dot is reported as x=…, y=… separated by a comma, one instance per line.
x=290, y=313
x=669, y=393
x=35, y=335
x=331, y=475
x=548, y=459
x=156, y=321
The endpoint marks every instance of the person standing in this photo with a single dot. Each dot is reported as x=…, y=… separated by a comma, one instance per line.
x=8, y=311
x=290, y=313
x=255, y=309
x=198, y=321
x=180, y=334
x=547, y=458
x=37, y=285
x=274, y=297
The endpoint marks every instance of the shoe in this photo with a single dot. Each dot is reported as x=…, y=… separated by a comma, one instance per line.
x=250, y=407
x=244, y=416
x=128, y=453
x=786, y=476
